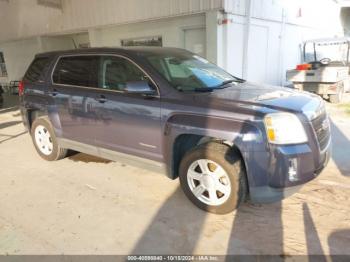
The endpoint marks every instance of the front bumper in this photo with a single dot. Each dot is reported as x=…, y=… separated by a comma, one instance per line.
x=280, y=178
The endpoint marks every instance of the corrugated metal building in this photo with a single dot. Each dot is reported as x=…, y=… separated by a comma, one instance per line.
x=254, y=39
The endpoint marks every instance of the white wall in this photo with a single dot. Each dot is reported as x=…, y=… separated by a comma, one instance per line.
x=18, y=55
x=82, y=38
x=271, y=49
x=48, y=43
x=171, y=31
x=311, y=13
x=277, y=29
x=25, y=18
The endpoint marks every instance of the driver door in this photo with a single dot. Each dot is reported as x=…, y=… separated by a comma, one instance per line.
x=127, y=122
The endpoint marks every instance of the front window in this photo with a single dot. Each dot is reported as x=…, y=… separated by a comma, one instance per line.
x=189, y=72
x=117, y=72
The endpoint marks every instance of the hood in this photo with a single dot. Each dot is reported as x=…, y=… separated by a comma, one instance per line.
x=272, y=97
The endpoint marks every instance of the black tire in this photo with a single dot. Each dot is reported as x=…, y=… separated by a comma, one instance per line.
x=337, y=98
x=230, y=160
x=57, y=152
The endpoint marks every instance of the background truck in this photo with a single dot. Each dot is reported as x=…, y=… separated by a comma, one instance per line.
x=325, y=68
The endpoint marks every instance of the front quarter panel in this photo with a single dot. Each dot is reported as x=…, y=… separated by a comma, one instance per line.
x=245, y=135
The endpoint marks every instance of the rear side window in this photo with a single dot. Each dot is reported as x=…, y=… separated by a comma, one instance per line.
x=77, y=71
x=36, y=70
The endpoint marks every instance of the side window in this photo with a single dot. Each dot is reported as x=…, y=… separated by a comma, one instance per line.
x=36, y=70
x=77, y=71
x=160, y=65
x=117, y=71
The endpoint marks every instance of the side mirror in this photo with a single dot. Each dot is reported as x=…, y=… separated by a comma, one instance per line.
x=139, y=87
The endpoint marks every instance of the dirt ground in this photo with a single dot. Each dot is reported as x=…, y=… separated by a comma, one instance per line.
x=87, y=205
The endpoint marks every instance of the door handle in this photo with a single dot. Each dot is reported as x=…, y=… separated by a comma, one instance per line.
x=102, y=99
x=54, y=92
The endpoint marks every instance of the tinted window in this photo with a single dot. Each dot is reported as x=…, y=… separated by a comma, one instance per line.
x=36, y=70
x=116, y=72
x=77, y=70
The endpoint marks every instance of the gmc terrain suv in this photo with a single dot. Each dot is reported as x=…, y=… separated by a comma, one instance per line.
x=169, y=109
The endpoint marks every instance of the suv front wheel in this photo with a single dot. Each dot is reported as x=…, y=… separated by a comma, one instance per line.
x=213, y=177
x=45, y=140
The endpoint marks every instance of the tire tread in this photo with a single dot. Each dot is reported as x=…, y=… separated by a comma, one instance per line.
x=231, y=155
x=60, y=152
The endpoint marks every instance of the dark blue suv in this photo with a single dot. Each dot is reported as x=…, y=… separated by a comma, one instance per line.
x=173, y=111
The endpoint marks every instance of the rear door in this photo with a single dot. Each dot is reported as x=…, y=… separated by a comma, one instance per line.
x=73, y=80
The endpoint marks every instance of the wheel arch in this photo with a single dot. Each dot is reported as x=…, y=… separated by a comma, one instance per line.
x=245, y=135
x=34, y=113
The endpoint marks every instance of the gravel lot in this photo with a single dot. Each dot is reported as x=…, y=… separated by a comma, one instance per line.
x=87, y=205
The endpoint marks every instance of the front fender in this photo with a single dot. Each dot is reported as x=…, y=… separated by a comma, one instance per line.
x=245, y=135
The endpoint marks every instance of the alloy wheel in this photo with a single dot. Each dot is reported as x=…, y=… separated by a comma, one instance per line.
x=209, y=182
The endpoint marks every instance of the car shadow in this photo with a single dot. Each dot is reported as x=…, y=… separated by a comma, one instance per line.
x=265, y=231
x=175, y=229
x=10, y=123
x=338, y=241
x=9, y=101
x=341, y=150
x=313, y=243
x=10, y=137
x=171, y=233
x=8, y=109
x=82, y=157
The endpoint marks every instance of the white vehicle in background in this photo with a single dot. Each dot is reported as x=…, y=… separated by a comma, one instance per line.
x=325, y=68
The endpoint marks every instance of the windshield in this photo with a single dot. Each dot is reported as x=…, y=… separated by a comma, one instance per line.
x=189, y=72
x=336, y=51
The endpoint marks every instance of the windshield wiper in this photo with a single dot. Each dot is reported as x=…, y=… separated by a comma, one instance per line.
x=227, y=82
x=204, y=89
x=237, y=80
x=196, y=89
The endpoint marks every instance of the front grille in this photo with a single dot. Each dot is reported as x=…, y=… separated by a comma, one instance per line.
x=322, y=129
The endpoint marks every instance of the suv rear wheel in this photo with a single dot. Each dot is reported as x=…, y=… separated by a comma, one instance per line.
x=213, y=178
x=45, y=140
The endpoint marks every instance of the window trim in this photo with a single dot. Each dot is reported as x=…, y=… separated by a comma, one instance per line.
x=99, y=88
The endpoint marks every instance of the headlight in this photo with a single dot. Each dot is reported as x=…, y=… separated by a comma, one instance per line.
x=284, y=128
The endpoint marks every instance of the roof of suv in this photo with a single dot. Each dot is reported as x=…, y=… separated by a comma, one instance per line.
x=129, y=50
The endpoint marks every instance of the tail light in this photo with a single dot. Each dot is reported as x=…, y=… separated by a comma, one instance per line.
x=21, y=88
x=303, y=67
